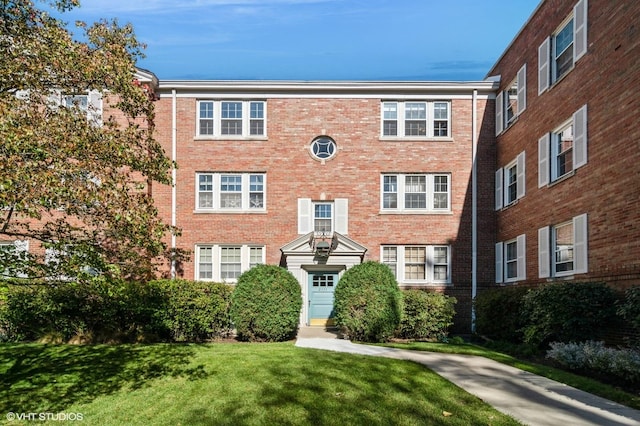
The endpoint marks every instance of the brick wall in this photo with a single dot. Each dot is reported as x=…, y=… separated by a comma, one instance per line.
x=607, y=188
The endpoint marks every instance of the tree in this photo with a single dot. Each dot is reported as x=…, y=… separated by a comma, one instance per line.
x=77, y=183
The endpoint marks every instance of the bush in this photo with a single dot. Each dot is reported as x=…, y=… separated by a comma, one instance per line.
x=624, y=364
x=265, y=305
x=426, y=315
x=193, y=310
x=629, y=309
x=368, y=302
x=102, y=310
x=568, y=312
x=499, y=313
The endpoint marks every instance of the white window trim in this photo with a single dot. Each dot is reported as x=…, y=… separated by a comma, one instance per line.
x=20, y=246
x=340, y=215
x=246, y=190
x=546, y=252
x=547, y=173
x=94, y=104
x=217, y=120
x=502, y=184
x=429, y=209
x=430, y=262
x=502, y=101
x=430, y=119
x=245, y=255
x=545, y=61
x=521, y=258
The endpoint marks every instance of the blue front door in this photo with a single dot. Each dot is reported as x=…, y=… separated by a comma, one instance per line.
x=321, y=288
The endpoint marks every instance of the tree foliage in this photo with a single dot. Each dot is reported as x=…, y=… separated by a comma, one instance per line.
x=76, y=183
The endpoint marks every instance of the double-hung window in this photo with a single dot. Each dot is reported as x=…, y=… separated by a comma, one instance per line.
x=563, y=248
x=558, y=53
x=12, y=256
x=512, y=101
x=88, y=103
x=228, y=192
x=417, y=193
x=323, y=218
x=510, y=182
x=231, y=119
x=226, y=262
x=511, y=260
x=419, y=264
x=563, y=150
x=416, y=119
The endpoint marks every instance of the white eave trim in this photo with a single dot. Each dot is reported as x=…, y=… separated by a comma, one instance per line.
x=327, y=88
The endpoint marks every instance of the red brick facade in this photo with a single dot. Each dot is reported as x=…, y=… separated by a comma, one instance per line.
x=606, y=189
x=351, y=114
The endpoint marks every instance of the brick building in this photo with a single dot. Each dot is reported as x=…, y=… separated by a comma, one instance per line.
x=320, y=176
x=568, y=167
x=530, y=176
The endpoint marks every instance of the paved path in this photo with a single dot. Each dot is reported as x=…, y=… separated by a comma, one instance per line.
x=531, y=399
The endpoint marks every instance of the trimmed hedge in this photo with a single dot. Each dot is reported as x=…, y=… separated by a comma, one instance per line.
x=629, y=308
x=265, y=304
x=499, y=313
x=99, y=311
x=426, y=315
x=568, y=312
x=368, y=302
x=194, y=310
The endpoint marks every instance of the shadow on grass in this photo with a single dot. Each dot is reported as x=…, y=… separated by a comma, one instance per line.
x=38, y=378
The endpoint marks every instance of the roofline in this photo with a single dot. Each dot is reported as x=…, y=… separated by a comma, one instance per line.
x=514, y=39
x=336, y=87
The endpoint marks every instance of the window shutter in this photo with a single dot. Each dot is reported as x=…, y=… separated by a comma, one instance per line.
x=543, y=161
x=95, y=107
x=580, y=137
x=498, y=189
x=499, y=264
x=579, y=29
x=521, y=244
x=342, y=215
x=522, y=89
x=544, y=55
x=580, y=245
x=499, y=111
x=520, y=165
x=305, y=219
x=544, y=269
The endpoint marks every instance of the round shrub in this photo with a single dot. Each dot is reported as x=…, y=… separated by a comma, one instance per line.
x=265, y=304
x=426, y=315
x=568, y=312
x=499, y=313
x=368, y=302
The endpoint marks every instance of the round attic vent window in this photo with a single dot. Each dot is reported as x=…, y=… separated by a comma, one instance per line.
x=323, y=148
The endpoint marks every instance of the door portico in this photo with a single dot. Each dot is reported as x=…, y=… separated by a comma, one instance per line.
x=318, y=275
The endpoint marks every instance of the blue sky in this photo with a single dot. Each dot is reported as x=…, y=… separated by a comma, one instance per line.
x=385, y=40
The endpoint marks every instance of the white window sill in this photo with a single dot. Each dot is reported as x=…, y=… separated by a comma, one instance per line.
x=416, y=212
x=423, y=284
x=562, y=178
x=231, y=138
x=229, y=211
x=415, y=139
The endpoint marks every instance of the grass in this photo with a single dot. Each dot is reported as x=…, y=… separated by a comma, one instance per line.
x=580, y=382
x=235, y=384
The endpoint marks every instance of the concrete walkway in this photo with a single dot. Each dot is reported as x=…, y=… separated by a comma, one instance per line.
x=531, y=399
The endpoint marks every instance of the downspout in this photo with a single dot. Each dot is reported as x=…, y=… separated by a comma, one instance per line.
x=474, y=209
x=174, y=175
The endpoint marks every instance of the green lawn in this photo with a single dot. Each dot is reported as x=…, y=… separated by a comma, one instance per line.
x=235, y=384
x=580, y=382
